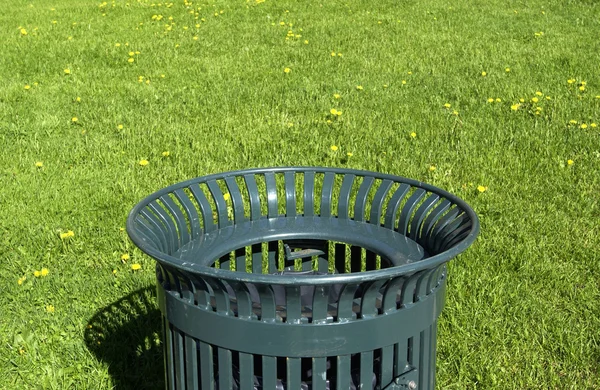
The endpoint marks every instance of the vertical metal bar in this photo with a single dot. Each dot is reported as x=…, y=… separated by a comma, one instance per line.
x=394, y=204
x=205, y=208
x=290, y=194
x=217, y=195
x=343, y=372
x=271, y=195
x=168, y=351
x=246, y=361
x=207, y=375
x=326, y=193
x=252, y=188
x=236, y=199
x=407, y=210
x=191, y=212
x=178, y=217
x=366, y=370
x=309, y=194
x=344, y=196
x=361, y=198
x=240, y=259
x=191, y=363
x=319, y=316
x=378, y=199
x=420, y=214
x=294, y=372
x=225, y=369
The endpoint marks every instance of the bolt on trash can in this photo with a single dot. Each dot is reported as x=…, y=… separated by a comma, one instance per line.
x=301, y=278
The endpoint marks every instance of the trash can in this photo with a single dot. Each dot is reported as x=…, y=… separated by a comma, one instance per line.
x=301, y=278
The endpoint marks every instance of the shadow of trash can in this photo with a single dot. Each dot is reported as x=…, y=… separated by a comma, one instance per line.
x=301, y=278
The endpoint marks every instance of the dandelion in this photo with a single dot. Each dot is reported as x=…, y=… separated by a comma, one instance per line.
x=538, y=93
x=227, y=196
x=67, y=71
x=571, y=81
x=21, y=280
x=582, y=88
x=306, y=42
x=490, y=100
x=447, y=105
x=334, y=148
x=481, y=188
x=522, y=100
x=593, y=125
x=78, y=99
x=337, y=95
x=125, y=257
x=23, y=31
x=413, y=135
x=432, y=168
x=195, y=38
x=114, y=271
x=385, y=85
x=287, y=70
x=339, y=54
x=403, y=82
x=50, y=308
x=136, y=267
x=570, y=162
x=455, y=113
x=74, y=119
x=359, y=87
x=44, y=272
x=166, y=153
x=335, y=112
x=548, y=98
x=130, y=60
x=144, y=162
x=39, y=164
x=572, y=122
x=27, y=87
x=535, y=100
x=37, y=274
x=583, y=126
x=68, y=234
x=117, y=45
x=498, y=100
x=333, y=54
x=483, y=74
x=349, y=154
x=507, y=70
x=515, y=107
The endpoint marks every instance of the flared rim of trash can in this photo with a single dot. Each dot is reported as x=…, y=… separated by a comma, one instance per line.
x=356, y=277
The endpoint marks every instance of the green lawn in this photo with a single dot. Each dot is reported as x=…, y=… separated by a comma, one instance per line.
x=496, y=101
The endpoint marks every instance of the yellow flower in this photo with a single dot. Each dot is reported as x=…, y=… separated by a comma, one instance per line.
x=125, y=257
x=522, y=100
x=195, y=38
x=23, y=31
x=306, y=42
x=483, y=74
x=144, y=162
x=403, y=82
x=582, y=88
x=117, y=44
x=74, y=119
x=21, y=280
x=227, y=196
x=535, y=100
x=39, y=164
x=136, y=266
x=539, y=93
x=432, y=168
x=37, y=274
x=507, y=70
x=333, y=54
x=334, y=148
x=120, y=127
x=339, y=54
x=570, y=162
x=166, y=153
x=50, y=308
x=515, y=107
x=571, y=81
x=481, y=188
x=490, y=100
x=67, y=71
x=287, y=70
x=336, y=95
x=68, y=234
x=27, y=87
x=78, y=99
x=498, y=100
x=455, y=112
x=413, y=135
x=130, y=60
x=131, y=54
x=349, y=154
x=447, y=105
x=583, y=126
x=359, y=87
x=333, y=111
x=44, y=272
x=593, y=125
x=572, y=122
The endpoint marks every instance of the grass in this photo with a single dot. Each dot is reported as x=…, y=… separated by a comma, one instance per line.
x=522, y=308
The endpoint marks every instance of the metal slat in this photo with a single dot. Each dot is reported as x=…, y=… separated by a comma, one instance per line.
x=252, y=188
x=309, y=194
x=366, y=370
x=177, y=215
x=191, y=363
x=394, y=205
x=290, y=194
x=360, y=204
x=326, y=194
x=343, y=372
x=225, y=369
x=219, y=200
x=420, y=214
x=205, y=208
x=207, y=374
x=192, y=213
x=343, y=211
x=168, y=352
x=271, y=195
x=236, y=199
x=378, y=199
x=407, y=210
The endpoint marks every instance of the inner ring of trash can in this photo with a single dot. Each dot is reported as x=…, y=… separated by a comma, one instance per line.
x=394, y=248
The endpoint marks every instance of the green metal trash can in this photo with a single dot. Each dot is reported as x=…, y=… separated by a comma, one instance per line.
x=301, y=278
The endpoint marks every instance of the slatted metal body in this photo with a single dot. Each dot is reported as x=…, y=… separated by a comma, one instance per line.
x=301, y=278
